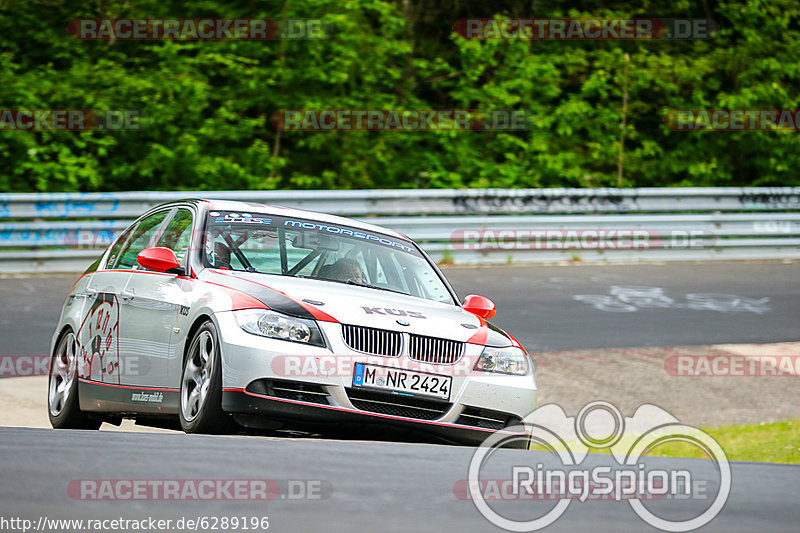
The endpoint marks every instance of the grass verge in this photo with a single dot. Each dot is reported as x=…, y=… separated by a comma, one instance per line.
x=775, y=442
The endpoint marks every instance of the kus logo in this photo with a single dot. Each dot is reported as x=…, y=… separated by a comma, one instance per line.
x=392, y=312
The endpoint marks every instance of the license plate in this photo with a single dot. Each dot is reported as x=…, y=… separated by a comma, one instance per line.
x=401, y=381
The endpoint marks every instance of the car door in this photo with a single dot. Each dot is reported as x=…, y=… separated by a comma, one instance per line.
x=136, y=367
x=156, y=303
x=98, y=349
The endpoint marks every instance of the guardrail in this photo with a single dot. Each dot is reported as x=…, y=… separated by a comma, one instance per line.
x=64, y=231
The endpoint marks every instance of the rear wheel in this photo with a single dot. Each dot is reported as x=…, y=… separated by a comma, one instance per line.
x=201, y=385
x=62, y=389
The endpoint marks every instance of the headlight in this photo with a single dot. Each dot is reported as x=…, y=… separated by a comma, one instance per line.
x=277, y=326
x=509, y=360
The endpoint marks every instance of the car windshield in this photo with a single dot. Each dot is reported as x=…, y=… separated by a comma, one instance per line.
x=286, y=246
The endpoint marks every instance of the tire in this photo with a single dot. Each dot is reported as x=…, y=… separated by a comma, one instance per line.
x=201, y=384
x=63, y=407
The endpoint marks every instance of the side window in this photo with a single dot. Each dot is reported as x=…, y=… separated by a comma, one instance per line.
x=113, y=256
x=178, y=234
x=141, y=239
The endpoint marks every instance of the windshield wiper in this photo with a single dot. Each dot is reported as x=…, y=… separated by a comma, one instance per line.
x=367, y=285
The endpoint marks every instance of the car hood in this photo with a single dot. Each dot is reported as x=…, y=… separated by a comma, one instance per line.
x=351, y=304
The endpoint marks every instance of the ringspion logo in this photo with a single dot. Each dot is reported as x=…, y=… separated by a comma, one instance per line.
x=623, y=474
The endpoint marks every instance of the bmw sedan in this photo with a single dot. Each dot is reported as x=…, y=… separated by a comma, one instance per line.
x=217, y=314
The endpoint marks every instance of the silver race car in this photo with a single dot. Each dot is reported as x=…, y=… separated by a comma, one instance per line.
x=218, y=313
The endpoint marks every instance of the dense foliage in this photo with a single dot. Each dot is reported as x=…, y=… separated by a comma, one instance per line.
x=210, y=102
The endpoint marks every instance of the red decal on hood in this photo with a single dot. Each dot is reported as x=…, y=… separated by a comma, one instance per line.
x=239, y=299
x=316, y=313
x=481, y=335
x=319, y=315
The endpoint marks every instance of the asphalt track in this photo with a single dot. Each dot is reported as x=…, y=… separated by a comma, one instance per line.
x=538, y=304
x=392, y=486
x=368, y=486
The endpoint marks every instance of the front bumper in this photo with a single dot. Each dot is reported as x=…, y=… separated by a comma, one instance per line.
x=300, y=415
x=259, y=375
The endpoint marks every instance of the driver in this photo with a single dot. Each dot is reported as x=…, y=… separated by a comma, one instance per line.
x=343, y=270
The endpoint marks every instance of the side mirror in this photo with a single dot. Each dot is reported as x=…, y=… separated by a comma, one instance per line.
x=159, y=259
x=480, y=306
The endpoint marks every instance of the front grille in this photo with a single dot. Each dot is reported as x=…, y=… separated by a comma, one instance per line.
x=372, y=341
x=486, y=418
x=433, y=350
x=397, y=405
x=290, y=390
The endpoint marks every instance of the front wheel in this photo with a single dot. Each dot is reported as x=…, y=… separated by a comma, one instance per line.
x=201, y=385
x=62, y=388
